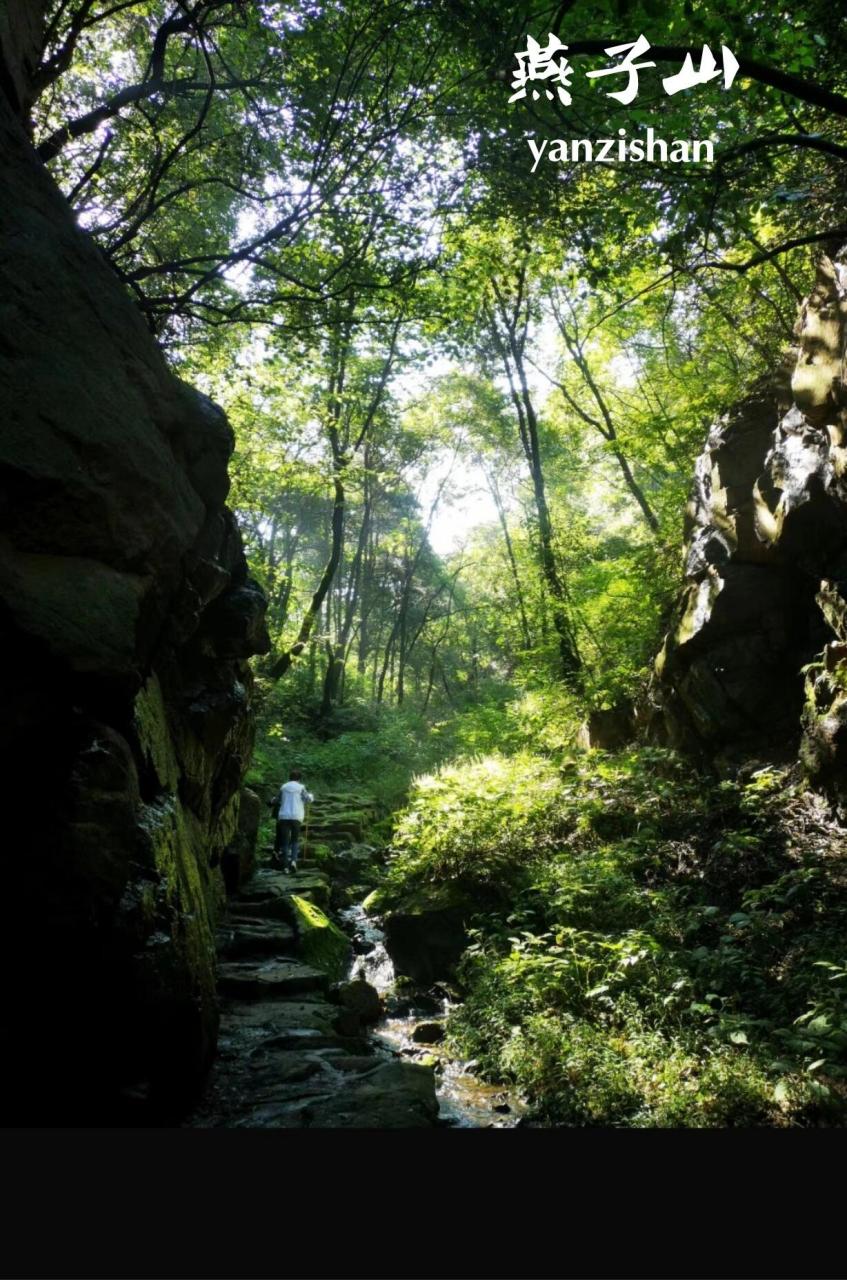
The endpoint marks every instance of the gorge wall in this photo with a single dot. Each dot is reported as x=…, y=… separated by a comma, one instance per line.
x=766, y=565
x=127, y=615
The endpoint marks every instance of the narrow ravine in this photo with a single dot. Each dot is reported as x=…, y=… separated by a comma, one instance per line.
x=316, y=1029
x=293, y=1051
x=296, y=1050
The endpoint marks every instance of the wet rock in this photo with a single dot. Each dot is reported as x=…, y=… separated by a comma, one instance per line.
x=362, y=998
x=397, y=1095
x=428, y=1033
x=423, y=1003
x=398, y=1006
x=349, y=895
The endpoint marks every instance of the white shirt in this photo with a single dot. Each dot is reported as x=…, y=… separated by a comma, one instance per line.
x=291, y=796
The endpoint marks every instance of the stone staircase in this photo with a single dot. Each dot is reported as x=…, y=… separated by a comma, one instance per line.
x=336, y=818
x=292, y=1052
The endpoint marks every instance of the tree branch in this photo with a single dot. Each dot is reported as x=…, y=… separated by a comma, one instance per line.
x=50, y=147
x=766, y=255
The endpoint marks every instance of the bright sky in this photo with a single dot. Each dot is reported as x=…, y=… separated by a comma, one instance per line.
x=469, y=504
x=466, y=501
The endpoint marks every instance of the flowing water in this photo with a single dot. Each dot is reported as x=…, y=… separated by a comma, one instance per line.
x=464, y=1101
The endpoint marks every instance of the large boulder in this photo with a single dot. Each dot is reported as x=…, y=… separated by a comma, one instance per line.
x=361, y=997
x=426, y=933
x=126, y=721
x=766, y=527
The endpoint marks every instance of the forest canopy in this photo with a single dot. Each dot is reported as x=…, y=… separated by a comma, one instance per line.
x=326, y=212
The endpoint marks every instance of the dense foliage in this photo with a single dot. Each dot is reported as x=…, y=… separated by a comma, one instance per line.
x=663, y=948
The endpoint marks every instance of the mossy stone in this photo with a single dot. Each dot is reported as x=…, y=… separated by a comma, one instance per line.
x=322, y=944
x=374, y=901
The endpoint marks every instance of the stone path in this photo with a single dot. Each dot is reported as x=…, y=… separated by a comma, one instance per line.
x=289, y=1055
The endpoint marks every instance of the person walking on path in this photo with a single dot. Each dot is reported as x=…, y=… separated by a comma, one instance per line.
x=290, y=811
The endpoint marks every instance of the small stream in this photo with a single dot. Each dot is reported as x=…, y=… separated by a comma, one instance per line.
x=464, y=1101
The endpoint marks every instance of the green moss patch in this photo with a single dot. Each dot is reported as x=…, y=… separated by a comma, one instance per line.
x=322, y=943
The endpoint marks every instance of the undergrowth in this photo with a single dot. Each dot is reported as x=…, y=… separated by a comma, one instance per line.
x=648, y=946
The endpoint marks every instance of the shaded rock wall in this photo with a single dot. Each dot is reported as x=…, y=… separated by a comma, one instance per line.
x=125, y=698
x=766, y=526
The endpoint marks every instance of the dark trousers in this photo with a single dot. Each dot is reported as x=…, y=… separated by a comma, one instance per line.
x=287, y=837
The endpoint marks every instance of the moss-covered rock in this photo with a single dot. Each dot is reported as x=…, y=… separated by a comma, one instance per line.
x=322, y=944
x=375, y=902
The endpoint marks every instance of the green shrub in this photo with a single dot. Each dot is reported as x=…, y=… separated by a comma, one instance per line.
x=480, y=822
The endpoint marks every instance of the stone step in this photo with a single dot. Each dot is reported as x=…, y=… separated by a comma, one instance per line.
x=269, y=888
x=270, y=881
x=297, y=1038
x=269, y=884
x=395, y=1095
x=255, y=937
x=337, y=813
x=264, y=910
x=264, y=885
x=342, y=800
x=273, y=978
x=256, y=1022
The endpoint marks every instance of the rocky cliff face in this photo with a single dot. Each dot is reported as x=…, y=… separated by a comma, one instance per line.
x=766, y=564
x=126, y=727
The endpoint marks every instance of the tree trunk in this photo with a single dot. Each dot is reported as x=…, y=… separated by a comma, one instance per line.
x=510, y=553
x=607, y=426
x=512, y=357
x=284, y=662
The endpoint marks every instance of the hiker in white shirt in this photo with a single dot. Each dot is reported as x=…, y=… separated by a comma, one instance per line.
x=290, y=812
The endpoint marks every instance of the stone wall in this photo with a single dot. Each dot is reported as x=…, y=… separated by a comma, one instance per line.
x=125, y=698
